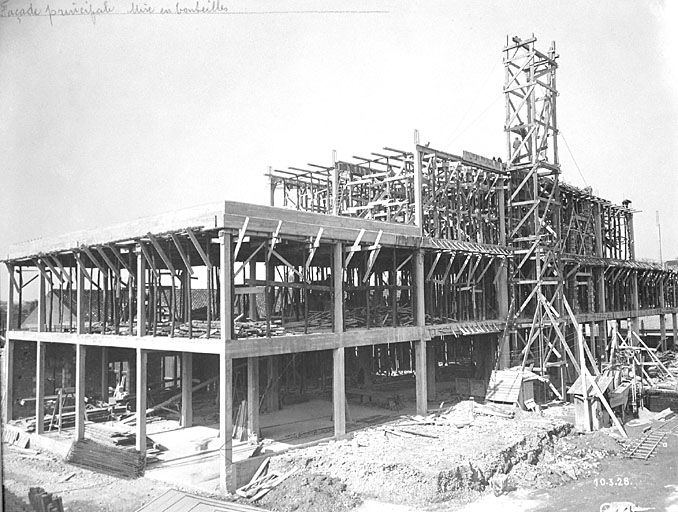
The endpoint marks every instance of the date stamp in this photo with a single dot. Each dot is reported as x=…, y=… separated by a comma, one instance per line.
x=613, y=482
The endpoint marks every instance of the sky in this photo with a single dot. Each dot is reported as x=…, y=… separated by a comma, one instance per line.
x=109, y=118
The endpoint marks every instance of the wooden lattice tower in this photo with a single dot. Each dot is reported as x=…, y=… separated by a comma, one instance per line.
x=536, y=274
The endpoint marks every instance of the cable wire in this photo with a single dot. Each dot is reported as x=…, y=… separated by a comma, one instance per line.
x=571, y=155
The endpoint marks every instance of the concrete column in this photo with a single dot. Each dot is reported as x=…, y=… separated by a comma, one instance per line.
x=227, y=481
x=675, y=329
x=8, y=381
x=431, y=370
x=104, y=374
x=420, y=345
x=40, y=359
x=226, y=476
x=40, y=387
x=339, y=392
x=141, y=294
x=141, y=390
x=80, y=354
x=80, y=357
x=338, y=354
x=253, y=397
x=186, y=389
x=8, y=351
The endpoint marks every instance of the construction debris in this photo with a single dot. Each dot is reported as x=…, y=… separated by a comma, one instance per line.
x=262, y=482
x=42, y=501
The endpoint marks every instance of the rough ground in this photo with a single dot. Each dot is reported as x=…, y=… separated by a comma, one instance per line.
x=81, y=490
x=423, y=463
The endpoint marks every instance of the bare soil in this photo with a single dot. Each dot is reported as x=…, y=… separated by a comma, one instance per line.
x=421, y=463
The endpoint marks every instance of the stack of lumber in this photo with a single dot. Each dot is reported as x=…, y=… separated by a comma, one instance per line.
x=120, y=437
x=240, y=423
x=96, y=414
x=262, y=482
x=42, y=501
x=14, y=436
x=104, y=458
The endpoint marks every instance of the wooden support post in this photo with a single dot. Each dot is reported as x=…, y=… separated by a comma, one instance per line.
x=420, y=345
x=41, y=299
x=339, y=392
x=253, y=398
x=226, y=474
x=253, y=312
x=662, y=316
x=141, y=390
x=675, y=329
x=338, y=287
x=634, y=323
x=40, y=388
x=104, y=374
x=8, y=351
x=130, y=303
x=186, y=389
x=418, y=192
x=80, y=356
x=335, y=185
x=141, y=294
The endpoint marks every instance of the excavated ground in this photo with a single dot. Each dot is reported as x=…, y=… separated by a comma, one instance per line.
x=422, y=462
x=432, y=463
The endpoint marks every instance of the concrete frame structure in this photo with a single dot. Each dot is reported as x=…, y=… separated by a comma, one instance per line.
x=404, y=247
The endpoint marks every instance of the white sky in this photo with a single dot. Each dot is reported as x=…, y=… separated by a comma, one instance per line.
x=136, y=115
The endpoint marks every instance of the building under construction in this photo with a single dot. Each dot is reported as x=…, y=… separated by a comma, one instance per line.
x=409, y=262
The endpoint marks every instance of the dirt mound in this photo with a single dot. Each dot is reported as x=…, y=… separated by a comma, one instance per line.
x=309, y=493
x=419, y=461
x=570, y=458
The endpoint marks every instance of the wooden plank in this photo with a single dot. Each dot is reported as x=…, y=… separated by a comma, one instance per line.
x=108, y=261
x=241, y=235
x=198, y=247
x=182, y=253
x=162, y=253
